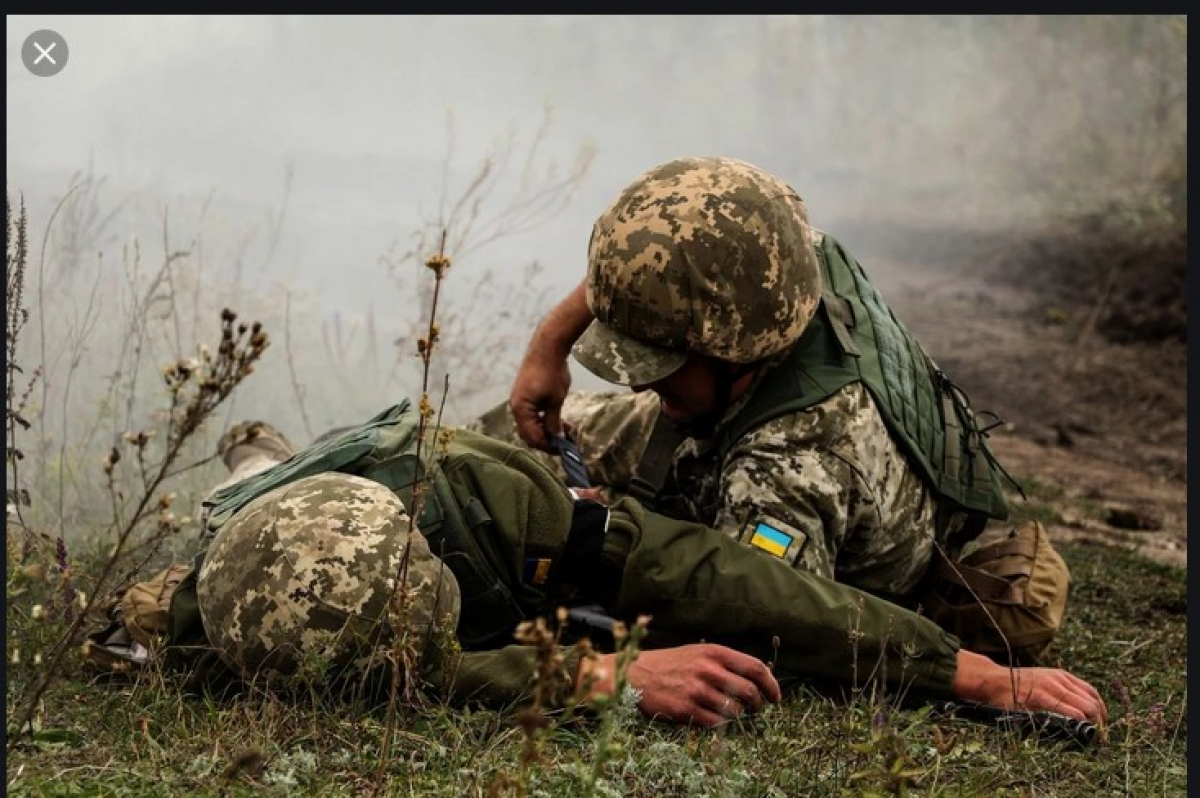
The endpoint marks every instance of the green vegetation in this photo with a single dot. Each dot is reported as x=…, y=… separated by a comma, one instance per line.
x=70, y=502
x=142, y=734
x=1126, y=633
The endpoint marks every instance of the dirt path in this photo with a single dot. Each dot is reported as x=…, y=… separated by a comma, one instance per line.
x=1096, y=432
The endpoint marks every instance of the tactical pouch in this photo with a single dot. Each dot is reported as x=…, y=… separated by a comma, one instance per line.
x=138, y=623
x=489, y=611
x=1007, y=593
x=145, y=605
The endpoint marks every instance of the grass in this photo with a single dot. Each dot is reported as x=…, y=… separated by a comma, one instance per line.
x=1126, y=633
x=1046, y=502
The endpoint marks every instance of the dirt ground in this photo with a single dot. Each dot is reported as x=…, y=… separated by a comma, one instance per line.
x=1080, y=346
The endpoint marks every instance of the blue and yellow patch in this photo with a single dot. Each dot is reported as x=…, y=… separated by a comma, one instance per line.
x=770, y=539
x=775, y=538
x=536, y=570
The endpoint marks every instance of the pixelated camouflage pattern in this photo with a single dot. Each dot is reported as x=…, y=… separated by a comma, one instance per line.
x=618, y=358
x=610, y=429
x=832, y=474
x=705, y=255
x=305, y=573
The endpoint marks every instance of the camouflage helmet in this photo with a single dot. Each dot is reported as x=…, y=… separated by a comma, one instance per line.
x=706, y=255
x=305, y=573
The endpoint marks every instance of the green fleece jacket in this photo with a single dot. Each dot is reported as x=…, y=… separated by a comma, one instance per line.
x=696, y=583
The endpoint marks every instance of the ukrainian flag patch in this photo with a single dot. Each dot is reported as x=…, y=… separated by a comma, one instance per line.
x=775, y=538
x=536, y=570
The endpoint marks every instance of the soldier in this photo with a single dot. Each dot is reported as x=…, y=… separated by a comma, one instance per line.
x=777, y=398
x=304, y=561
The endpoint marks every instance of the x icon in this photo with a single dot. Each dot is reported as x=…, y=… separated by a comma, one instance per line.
x=44, y=52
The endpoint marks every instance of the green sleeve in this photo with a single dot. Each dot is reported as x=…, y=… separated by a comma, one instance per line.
x=698, y=583
x=504, y=677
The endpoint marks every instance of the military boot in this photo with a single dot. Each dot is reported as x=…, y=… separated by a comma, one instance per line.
x=249, y=439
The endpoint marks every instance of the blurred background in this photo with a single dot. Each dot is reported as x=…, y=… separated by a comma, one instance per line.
x=299, y=170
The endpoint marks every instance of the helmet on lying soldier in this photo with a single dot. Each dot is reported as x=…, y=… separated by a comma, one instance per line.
x=305, y=575
x=711, y=256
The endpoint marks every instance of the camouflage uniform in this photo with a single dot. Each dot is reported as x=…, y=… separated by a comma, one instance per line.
x=831, y=475
x=714, y=257
x=271, y=590
x=827, y=477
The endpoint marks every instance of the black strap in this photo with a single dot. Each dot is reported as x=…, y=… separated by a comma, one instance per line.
x=582, y=569
x=655, y=465
x=572, y=460
x=490, y=612
x=581, y=554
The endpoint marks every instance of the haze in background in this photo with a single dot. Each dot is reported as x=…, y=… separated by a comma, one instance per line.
x=292, y=158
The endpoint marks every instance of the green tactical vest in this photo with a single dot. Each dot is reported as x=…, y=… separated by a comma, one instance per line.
x=457, y=524
x=854, y=337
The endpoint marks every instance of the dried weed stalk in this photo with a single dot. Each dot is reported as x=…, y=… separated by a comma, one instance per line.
x=477, y=217
x=550, y=688
x=404, y=660
x=629, y=644
x=461, y=226
x=195, y=388
x=16, y=317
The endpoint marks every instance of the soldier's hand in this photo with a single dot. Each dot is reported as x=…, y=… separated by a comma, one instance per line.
x=537, y=397
x=703, y=684
x=544, y=376
x=980, y=679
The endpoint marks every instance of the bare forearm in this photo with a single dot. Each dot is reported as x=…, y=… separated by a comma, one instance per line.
x=544, y=377
x=562, y=326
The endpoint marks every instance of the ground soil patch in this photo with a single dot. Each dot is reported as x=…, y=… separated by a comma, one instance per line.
x=1076, y=337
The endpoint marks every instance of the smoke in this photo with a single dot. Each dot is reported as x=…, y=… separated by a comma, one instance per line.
x=290, y=155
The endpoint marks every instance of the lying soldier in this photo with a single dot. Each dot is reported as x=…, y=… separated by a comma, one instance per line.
x=305, y=556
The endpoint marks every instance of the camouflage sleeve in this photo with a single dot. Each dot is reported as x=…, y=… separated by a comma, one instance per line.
x=828, y=490
x=611, y=429
x=502, y=678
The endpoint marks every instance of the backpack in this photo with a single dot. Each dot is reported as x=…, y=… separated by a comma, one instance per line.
x=139, y=617
x=1006, y=595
